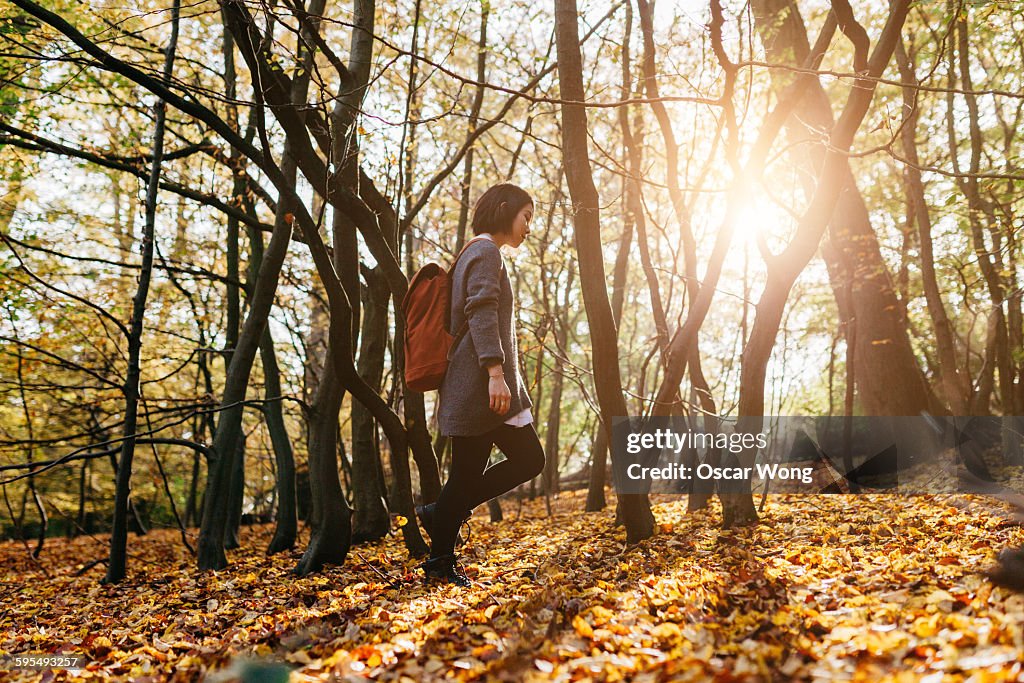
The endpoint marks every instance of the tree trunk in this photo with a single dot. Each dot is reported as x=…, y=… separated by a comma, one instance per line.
x=474, y=119
x=330, y=519
x=84, y=486
x=636, y=509
x=236, y=492
x=236, y=495
x=784, y=268
x=191, y=509
x=37, y=501
x=889, y=380
x=229, y=427
x=550, y=472
x=370, y=519
x=682, y=212
x=1005, y=317
x=286, y=521
x=599, y=445
x=422, y=446
x=560, y=324
x=598, y=464
x=329, y=514
x=956, y=386
x=116, y=565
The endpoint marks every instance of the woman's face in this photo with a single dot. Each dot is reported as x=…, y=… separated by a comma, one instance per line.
x=521, y=226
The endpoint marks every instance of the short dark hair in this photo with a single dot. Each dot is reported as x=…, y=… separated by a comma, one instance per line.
x=496, y=208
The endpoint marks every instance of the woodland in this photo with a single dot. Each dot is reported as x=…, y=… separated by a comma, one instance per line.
x=210, y=213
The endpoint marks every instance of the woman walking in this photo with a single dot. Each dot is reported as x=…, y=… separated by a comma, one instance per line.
x=483, y=400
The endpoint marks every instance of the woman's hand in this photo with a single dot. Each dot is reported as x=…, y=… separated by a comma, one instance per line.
x=500, y=396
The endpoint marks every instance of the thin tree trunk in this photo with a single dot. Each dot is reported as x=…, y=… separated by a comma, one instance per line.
x=683, y=218
x=117, y=563
x=474, y=119
x=598, y=464
x=955, y=385
x=330, y=516
x=686, y=337
x=286, y=521
x=229, y=427
x=44, y=520
x=370, y=520
x=422, y=447
x=236, y=495
x=850, y=330
x=889, y=381
x=232, y=299
x=170, y=497
x=331, y=526
x=784, y=268
x=7, y=211
x=981, y=210
x=599, y=445
x=635, y=508
x=83, y=493
x=415, y=413
x=191, y=510
x=407, y=145
x=135, y=518
x=550, y=474
x=987, y=382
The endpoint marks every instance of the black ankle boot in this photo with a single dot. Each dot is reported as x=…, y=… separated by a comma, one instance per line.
x=445, y=569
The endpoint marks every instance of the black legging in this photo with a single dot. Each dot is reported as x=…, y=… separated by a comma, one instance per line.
x=471, y=482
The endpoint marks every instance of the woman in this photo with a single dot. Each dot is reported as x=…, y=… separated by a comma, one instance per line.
x=483, y=400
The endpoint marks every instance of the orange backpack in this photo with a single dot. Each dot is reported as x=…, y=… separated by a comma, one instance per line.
x=427, y=306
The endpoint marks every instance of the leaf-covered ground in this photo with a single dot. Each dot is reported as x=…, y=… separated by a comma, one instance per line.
x=828, y=587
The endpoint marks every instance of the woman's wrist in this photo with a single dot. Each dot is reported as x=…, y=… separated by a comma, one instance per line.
x=495, y=371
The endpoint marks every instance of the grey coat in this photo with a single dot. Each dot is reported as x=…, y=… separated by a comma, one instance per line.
x=481, y=293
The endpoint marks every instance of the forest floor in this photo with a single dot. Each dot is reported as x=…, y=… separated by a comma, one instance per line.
x=827, y=587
